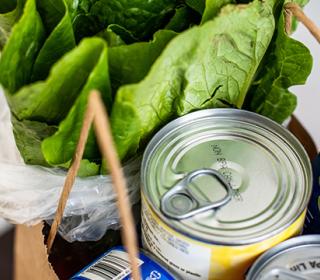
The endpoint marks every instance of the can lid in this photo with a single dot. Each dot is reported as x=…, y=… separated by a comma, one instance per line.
x=294, y=259
x=266, y=167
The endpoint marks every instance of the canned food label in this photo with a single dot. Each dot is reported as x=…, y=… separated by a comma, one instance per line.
x=193, y=259
x=174, y=251
x=115, y=265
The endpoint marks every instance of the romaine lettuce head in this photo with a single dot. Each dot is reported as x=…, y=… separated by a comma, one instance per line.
x=152, y=61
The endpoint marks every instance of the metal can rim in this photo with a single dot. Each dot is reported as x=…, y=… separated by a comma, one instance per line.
x=254, y=119
x=283, y=246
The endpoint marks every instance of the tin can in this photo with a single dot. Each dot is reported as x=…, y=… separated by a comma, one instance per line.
x=220, y=187
x=312, y=223
x=294, y=259
x=114, y=265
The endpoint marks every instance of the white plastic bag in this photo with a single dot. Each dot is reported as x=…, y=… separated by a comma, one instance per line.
x=29, y=194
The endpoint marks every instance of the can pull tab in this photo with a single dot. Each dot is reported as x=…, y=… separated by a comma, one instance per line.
x=284, y=274
x=180, y=203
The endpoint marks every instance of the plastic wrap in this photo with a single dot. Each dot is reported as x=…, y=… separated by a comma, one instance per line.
x=29, y=194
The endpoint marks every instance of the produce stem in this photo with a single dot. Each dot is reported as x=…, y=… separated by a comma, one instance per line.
x=292, y=9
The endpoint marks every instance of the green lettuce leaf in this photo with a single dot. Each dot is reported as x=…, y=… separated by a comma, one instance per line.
x=111, y=37
x=8, y=17
x=51, y=12
x=141, y=18
x=7, y=5
x=86, y=169
x=287, y=63
x=183, y=18
x=60, y=40
x=208, y=66
x=50, y=101
x=124, y=33
x=197, y=5
x=28, y=136
x=21, y=49
x=131, y=63
x=56, y=38
x=213, y=8
x=59, y=148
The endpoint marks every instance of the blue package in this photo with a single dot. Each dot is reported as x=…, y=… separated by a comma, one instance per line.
x=114, y=265
x=312, y=223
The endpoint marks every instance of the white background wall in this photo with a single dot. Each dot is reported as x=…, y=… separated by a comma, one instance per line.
x=308, y=110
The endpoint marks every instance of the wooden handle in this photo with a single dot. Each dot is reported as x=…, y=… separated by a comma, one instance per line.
x=97, y=114
x=107, y=148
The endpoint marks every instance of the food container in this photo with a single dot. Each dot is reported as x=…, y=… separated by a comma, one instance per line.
x=220, y=187
x=294, y=259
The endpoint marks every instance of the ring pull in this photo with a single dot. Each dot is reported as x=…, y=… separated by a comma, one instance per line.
x=180, y=203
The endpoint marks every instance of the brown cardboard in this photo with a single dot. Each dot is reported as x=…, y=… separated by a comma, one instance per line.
x=30, y=255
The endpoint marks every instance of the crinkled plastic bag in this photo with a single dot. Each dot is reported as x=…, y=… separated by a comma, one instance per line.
x=29, y=194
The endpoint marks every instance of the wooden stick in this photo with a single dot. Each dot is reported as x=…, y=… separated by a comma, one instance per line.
x=107, y=148
x=295, y=10
x=71, y=175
